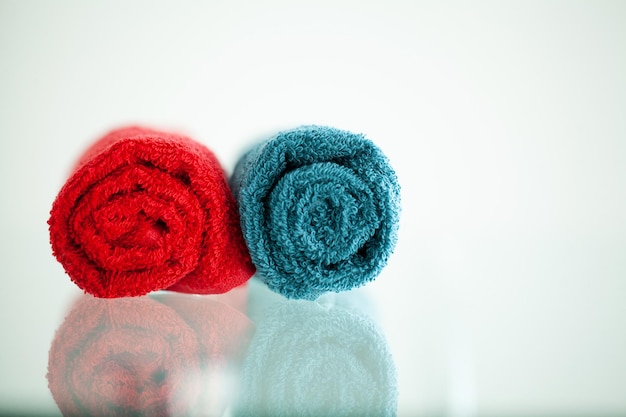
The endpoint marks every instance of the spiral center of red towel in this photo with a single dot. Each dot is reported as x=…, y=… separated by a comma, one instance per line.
x=129, y=230
x=139, y=217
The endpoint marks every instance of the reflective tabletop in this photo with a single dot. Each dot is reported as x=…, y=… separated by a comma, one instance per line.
x=246, y=353
x=504, y=122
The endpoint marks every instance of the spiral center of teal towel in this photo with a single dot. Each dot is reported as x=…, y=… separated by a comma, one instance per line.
x=323, y=211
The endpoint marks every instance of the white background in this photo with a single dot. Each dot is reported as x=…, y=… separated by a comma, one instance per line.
x=505, y=121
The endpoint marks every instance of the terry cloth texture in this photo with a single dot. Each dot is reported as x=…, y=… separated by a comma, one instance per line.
x=309, y=359
x=319, y=210
x=142, y=357
x=146, y=210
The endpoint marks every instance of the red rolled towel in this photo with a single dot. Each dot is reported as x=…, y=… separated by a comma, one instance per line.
x=146, y=210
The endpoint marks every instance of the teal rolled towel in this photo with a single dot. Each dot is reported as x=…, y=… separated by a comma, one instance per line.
x=315, y=359
x=319, y=210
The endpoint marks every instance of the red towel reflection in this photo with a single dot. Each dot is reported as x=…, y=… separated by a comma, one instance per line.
x=152, y=356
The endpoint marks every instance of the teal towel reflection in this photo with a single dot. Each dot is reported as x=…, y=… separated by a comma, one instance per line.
x=312, y=359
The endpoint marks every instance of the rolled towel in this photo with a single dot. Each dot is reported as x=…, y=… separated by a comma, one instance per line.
x=319, y=210
x=163, y=355
x=146, y=210
x=312, y=359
